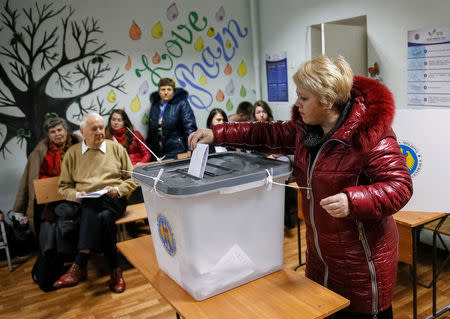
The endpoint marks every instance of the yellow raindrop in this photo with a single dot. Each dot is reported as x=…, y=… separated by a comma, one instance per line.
x=228, y=44
x=242, y=69
x=157, y=31
x=202, y=80
x=199, y=44
x=210, y=32
x=111, y=96
x=136, y=104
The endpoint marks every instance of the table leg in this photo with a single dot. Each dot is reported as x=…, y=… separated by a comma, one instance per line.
x=436, y=313
x=299, y=241
x=414, y=271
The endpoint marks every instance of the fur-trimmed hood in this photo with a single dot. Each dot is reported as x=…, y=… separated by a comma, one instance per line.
x=370, y=118
x=179, y=95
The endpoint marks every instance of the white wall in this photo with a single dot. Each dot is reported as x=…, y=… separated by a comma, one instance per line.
x=115, y=18
x=284, y=27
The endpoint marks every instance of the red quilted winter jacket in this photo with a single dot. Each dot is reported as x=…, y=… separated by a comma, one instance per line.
x=354, y=256
x=138, y=153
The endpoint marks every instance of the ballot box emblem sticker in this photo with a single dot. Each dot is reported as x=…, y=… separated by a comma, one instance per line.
x=166, y=235
x=412, y=156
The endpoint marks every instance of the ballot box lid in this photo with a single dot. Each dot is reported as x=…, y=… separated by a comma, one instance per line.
x=223, y=170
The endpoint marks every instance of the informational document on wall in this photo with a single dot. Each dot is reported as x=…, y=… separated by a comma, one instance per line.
x=429, y=68
x=276, y=69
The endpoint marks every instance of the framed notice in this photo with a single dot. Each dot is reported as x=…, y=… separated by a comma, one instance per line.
x=429, y=68
x=276, y=68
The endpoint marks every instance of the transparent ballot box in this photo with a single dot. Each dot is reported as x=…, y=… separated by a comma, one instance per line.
x=219, y=232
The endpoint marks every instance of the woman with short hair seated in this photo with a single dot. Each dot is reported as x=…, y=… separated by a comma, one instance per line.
x=44, y=161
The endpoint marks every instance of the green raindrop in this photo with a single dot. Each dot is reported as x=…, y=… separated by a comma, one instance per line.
x=243, y=91
x=145, y=119
x=229, y=105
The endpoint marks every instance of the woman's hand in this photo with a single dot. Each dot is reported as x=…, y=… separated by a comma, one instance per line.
x=202, y=136
x=336, y=205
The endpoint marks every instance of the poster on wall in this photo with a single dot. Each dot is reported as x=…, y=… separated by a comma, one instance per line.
x=429, y=68
x=276, y=69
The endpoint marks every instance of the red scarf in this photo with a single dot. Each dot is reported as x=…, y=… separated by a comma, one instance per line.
x=120, y=135
x=51, y=165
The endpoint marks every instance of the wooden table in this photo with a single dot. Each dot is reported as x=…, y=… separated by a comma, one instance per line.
x=409, y=224
x=283, y=294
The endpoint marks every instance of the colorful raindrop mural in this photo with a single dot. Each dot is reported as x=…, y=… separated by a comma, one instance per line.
x=157, y=30
x=220, y=96
x=228, y=70
x=229, y=105
x=135, y=104
x=156, y=58
x=144, y=120
x=111, y=97
x=172, y=12
x=211, y=32
x=229, y=89
x=242, y=69
x=220, y=14
x=243, y=91
x=128, y=65
x=199, y=45
x=135, y=32
x=143, y=89
x=202, y=80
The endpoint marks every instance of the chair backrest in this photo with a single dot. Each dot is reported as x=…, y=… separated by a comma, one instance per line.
x=184, y=155
x=46, y=190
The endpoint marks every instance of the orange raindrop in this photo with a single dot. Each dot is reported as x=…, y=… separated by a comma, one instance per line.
x=228, y=69
x=135, y=32
x=128, y=65
x=156, y=58
x=220, y=96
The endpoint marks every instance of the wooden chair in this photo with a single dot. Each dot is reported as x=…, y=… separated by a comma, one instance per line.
x=184, y=155
x=46, y=190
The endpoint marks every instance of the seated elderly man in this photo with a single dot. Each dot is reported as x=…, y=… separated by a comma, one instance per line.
x=93, y=165
x=44, y=161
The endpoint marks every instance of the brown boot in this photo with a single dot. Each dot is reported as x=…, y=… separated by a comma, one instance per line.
x=116, y=283
x=72, y=277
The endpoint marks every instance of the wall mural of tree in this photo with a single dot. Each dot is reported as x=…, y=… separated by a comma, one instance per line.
x=48, y=47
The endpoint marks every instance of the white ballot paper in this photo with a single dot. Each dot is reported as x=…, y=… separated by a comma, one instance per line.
x=198, y=160
x=96, y=194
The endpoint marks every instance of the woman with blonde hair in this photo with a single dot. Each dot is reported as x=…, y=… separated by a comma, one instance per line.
x=347, y=157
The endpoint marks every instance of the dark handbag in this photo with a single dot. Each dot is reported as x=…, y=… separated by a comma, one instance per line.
x=22, y=239
x=47, y=269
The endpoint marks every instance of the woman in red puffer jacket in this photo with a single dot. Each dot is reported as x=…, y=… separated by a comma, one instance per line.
x=347, y=154
x=116, y=129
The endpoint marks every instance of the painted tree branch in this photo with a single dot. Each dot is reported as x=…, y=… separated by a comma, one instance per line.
x=41, y=45
x=14, y=130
